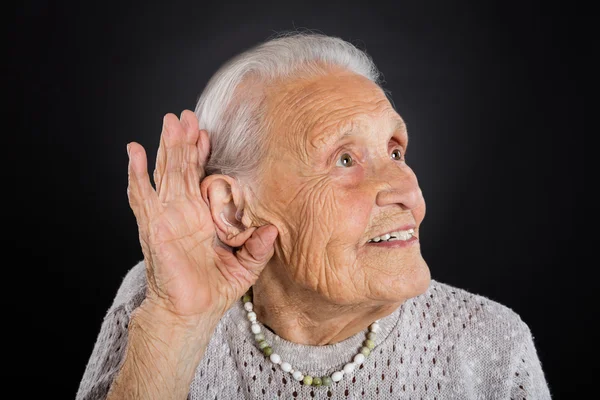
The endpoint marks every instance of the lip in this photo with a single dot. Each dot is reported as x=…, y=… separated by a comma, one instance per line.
x=402, y=228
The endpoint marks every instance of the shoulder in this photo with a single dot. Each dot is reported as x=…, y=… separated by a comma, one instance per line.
x=132, y=290
x=471, y=310
x=473, y=306
x=472, y=321
x=110, y=346
x=473, y=345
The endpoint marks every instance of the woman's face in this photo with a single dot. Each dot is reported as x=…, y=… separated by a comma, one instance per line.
x=337, y=178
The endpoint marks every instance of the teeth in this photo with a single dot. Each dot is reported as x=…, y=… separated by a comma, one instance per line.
x=390, y=237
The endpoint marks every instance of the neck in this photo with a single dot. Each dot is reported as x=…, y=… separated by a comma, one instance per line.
x=304, y=316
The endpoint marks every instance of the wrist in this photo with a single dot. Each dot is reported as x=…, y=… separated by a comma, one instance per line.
x=154, y=323
x=153, y=313
x=162, y=355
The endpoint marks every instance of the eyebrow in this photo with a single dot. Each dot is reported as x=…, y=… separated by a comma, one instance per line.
x=353, y=130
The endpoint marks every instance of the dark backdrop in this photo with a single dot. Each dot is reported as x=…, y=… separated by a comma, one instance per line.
x=491, y=94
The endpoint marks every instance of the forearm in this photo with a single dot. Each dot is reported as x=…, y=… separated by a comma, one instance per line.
x=162, y=356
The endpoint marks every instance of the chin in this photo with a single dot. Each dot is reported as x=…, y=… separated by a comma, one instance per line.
x=418, y=280
x=410, y=282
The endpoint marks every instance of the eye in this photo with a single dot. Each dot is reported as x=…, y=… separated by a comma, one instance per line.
x=397, y=155
x=346, y=161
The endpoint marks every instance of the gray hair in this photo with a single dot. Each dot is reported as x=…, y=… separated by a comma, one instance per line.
x=237, y=124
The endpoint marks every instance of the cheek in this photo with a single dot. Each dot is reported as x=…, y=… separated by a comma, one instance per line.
x=354, y=207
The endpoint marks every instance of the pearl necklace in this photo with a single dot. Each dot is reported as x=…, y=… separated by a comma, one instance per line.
x=368, y=346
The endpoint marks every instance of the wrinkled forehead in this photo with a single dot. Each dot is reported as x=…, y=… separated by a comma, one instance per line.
x=306, y=112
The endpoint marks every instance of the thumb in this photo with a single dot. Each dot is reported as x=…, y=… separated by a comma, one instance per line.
x=258, y=249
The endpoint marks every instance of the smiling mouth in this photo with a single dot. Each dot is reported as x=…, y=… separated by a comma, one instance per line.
x=403, y=235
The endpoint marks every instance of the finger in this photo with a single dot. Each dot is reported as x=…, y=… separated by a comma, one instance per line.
x=188, y=118
x=143, y=200
x=203, y=146
x=258, y=250
x=192, y=172
x=172, y=178
x=161, y=160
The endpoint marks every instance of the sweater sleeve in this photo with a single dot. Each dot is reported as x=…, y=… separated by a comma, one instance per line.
x=529, y=382
x=107, y=356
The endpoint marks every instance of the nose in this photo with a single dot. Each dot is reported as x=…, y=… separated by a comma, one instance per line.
x=399, y=185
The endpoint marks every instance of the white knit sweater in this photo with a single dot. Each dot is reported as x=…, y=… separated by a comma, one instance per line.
x=444, y=344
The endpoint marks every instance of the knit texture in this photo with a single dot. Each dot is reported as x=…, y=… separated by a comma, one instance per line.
x=444, y=344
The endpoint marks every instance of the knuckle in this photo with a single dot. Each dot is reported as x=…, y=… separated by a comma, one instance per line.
x=249, y=256
x=131, y=194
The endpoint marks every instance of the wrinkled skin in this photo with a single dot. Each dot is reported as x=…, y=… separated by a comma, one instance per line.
x=323, y=274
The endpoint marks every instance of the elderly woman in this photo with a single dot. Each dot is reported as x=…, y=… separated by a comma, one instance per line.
x=282, y=257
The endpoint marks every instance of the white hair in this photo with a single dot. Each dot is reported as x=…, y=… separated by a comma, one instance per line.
x=237, y=125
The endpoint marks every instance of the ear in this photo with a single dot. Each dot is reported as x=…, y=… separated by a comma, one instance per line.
x=224, y=198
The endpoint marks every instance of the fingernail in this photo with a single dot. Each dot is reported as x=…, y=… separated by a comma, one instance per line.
x=128, y=146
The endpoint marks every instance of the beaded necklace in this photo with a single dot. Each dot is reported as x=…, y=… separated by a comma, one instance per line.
x=365, y=350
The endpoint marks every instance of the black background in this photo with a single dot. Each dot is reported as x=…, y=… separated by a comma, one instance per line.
x=491, y=93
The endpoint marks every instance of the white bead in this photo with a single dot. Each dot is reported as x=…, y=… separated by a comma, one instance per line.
x=255, y=328
x=248, y=306
x=375, y=327
x=275, y=358
x=359, y=358
x=286, y=367
x=337, y=376
x=298, y=375
x=349, y=368
x=252, y=316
